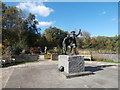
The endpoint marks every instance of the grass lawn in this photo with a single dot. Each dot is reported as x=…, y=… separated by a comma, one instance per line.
x=104, y=61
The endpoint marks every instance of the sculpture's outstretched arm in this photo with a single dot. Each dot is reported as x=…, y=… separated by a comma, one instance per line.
x=80, y=33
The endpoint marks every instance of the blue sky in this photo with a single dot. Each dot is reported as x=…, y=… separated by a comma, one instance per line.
x=98, y=18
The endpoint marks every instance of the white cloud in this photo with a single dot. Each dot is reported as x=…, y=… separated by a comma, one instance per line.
x=114, y=19
x=45, y=0
x=42, y=23
x=104, y=12
x=36, y=8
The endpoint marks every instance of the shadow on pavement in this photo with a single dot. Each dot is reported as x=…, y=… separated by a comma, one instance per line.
x=97, y=68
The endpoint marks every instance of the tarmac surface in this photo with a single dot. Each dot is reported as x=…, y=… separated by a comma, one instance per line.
x=45, y=74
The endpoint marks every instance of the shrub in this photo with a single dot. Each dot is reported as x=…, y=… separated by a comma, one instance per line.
x=25, y=51
x=16, y=51
x=47, y=56
x=35, y=50
x=55, y=52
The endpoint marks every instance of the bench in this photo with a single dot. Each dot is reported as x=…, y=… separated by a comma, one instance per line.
x=7, y=59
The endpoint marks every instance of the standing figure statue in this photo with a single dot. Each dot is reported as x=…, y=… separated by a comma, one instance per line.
x=70, y=40
x=45, y=49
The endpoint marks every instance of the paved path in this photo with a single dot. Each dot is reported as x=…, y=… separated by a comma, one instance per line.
x=45, y=75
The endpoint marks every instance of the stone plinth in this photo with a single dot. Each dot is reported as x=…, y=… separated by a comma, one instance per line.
x=41, y=57
x=54, y=56
x=71, y=64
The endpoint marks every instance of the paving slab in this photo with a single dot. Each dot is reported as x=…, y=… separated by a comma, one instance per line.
x=46, y=75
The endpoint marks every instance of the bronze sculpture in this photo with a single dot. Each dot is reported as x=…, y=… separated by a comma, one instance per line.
x=70, y=40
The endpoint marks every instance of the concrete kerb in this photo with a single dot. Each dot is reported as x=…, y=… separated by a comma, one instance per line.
x=72, y=75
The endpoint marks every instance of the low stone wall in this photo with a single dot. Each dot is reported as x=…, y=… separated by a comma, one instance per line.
x=25, y=58
x=112, y=57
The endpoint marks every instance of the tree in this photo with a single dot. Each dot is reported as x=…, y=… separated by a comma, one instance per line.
x=86, y=39
x=31, y=34
x=85, y=33
x=18, y=31
x=93, y=43
x=31, y=23
x=12, y=25
x=55, y=36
